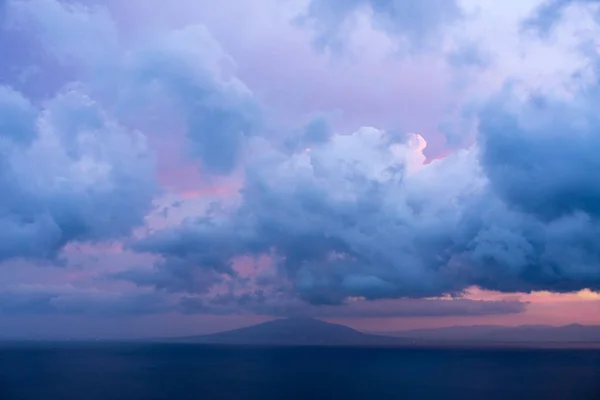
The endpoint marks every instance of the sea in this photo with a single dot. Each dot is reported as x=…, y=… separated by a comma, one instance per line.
x=111, y=371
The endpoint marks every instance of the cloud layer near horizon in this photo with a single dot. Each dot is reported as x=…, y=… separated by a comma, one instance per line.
x=341, y=218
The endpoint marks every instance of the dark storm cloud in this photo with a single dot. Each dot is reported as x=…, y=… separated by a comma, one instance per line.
x=419, y=22
x=338, y=219
x=539, y=158
x=359, y=216
x=540, y=231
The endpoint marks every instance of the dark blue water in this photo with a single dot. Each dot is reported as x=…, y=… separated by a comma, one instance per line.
x=131, y=372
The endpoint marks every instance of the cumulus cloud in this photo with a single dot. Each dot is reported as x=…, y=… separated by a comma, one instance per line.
x=187, y=68
x=68, y=172
x=537, y=156
x=69, y=31
x=180, y=75
x=417, y=22
x=538, y=153
x=352, y=217
x=469, y=55
x=71, y=171
x=339, y=216
x=316, y=131
x=361, y=216
x=550, y=12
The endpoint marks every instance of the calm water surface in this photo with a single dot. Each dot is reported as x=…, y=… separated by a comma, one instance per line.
x=180, y=371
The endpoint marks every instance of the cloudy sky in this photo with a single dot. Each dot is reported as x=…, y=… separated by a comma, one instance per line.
x=388, y=164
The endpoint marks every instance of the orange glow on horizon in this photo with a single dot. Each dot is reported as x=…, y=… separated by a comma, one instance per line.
x=475, y=293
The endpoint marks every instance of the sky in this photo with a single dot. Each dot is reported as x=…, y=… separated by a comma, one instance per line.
x=387, y=164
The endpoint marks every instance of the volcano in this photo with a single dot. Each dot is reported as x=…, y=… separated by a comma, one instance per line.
x=295, y=332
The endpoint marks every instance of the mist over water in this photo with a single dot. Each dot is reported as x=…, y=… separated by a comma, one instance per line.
x=183, y=371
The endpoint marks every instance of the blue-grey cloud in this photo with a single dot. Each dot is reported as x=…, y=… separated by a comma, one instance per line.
x=67, y=173
x=549, y=13
x=267, y=304
x=70, y=171
x=69, y=300
x=469, y=55
x=540, y=229
x=37, y=300
x=539, y=153
x=26, y=67
x=360, y=216
x=68, y=30
x=181, y=73
x=340, y=218
x=185, y=67
x=175, y=275
x=17, y=117
x=418, y=22
x=317, y=130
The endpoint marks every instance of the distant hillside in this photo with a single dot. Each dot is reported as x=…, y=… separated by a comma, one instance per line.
x=295, y=331
x=526, y=333
x=314, y=332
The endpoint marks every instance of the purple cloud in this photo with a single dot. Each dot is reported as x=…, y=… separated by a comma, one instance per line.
x=342, y=212
x=419, y=23
x=360, y=216
x=259, y=303
x=69, y=173
x=550, y=12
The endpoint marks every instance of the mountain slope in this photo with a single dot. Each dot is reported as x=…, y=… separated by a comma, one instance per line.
x=294, y=331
